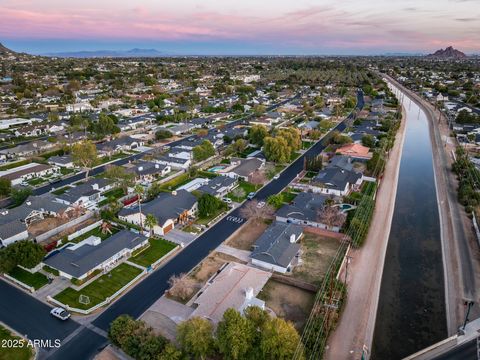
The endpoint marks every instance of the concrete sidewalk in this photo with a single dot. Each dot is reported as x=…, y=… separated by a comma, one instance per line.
x=242, y=255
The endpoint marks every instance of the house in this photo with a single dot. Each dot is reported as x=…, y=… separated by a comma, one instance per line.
x=14, y=222
x=87, y=194
x=219, y=186
x=147, y=170
x=27, y=172
x=173, y=162
x=303, y=210
x=341, y=162
x=194, y=184
x=125, y=143
x=64, y=161
x=234, y=286
x=80, y=260
x=181, y=129
x=355, y=151
x=168, y=208
x=242, y=168
x=32, y=130
x=337, y=181
x=277, y=248
x=28, y=149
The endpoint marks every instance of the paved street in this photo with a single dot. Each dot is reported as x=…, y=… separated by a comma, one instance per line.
x=135, y=302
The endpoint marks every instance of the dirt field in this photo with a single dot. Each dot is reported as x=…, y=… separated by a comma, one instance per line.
x=317, y=253
x=199, y=276
x=288, y=302
x=245, y=237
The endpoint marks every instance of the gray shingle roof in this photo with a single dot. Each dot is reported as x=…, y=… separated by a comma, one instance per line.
x=165, y=206
x=216, y=184
x=336, y=178
x=274, y=245
x=81, y=260
x=305, y=206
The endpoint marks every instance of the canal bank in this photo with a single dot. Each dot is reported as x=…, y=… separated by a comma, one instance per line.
x=411, y=308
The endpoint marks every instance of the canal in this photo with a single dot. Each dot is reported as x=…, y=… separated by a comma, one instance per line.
x=411, y=310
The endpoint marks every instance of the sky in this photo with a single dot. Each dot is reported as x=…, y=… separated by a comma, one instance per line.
x=242, y=27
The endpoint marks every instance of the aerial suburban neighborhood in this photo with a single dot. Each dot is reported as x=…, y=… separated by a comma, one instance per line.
x=174, y=206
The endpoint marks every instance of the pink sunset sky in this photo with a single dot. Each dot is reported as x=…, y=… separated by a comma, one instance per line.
x=247, y=26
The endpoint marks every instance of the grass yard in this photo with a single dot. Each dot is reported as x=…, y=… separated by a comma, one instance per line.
x=157, y=249
x=96, y=232
x=288, y=302
x=61, y=190
x=13, y=353
x=318, y=253
x=36, y=181
x=100, y=289
x=35, y=280
x=66, y=171
x=206, y=220
x=176, y=182
x=107, y=159
x=288, y=196
x=246, y=187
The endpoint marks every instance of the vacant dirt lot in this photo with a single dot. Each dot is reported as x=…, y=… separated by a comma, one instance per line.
x=245, y=237
x=317, y=254
x=288, y=302
x=193, y=282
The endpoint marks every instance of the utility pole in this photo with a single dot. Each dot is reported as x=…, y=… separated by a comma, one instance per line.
x=469, y=305
x=347, y=258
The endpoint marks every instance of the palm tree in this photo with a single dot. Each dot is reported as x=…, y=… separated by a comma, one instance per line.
x=106, y=228
x=151, y=222
x=139, y=190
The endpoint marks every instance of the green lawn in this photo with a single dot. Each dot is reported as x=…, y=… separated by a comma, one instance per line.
x=100, y=289
x=288, y=196
x=65, y=171
x=61, y=190
x=157, y=249
x=247, y=188
x=176, y=182
x=206, y=220
x=96, y=232
x=111, y=196
x=106, y=159
x=36, y=280
x=36, y=181
x=13, y=353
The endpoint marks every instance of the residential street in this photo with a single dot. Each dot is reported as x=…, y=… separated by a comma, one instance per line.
x=357, y=322
x=145, y=293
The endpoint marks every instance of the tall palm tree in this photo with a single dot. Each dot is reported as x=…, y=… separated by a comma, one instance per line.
x=151, y=222
x=139, y=191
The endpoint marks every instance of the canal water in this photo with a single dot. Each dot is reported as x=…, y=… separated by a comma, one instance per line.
x=411, y=310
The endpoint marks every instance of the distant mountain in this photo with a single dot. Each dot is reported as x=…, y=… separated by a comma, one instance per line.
x=109, y=53
x=5, y=51
x=448, y=53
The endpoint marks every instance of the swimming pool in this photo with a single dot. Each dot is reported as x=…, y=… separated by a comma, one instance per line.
x=216, y=168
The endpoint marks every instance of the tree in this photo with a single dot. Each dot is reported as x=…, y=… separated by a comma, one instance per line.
x=139, y=190
x=5, y=187
x=163, y=134
x=105, y=126
x=84, y=154
x=277, y=150
x=258, y=177
x=170, y=352
x=331, y=216
x=292, y=136
x=151, y=222
x=195, y=336
x=257, y=134
x=25, y=253
x=203, y=151
x=120, y=175
x=238, y=192
x=234, y=335
x=18, y=196
x=252, y=211
x=240, y=145
x=181, y=286
x=275, y=200
x=202, y=132
x=259, y=109
x=208, y=205
x=341, y=139
x=279, y=340
x=368, y=140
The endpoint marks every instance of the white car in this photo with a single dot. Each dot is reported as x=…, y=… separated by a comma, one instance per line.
x=261, y=204
x=60, y=313
x=227, y=200
x=277, y=176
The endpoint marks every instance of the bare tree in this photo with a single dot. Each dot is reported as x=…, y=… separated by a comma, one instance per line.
x=255, y=212
x=331, y=216
x=238, y=192
x=181, y=286
x=258, y=177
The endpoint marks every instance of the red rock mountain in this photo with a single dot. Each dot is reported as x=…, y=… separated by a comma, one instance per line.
x=448, y=53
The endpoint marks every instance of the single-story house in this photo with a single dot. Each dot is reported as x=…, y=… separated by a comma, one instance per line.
x=242, y=168
x=337, y=181
x=125, y=143
x=26, y=172
x=65, y=161
x=277, y=248
x=168, y=208
x=173, y=162
x=87, y=194
x=234, y=286
x=82, y=259
x=219, y=186
x=147, y=170
x=356, y=151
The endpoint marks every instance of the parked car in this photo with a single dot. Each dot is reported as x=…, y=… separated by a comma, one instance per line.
x=261, y=204
x=251, y=195
x=227, y=200
x=277, y=176
x=60, y=313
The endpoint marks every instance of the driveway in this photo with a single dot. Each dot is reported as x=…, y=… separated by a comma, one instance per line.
x=243, y=255
x=179, y=237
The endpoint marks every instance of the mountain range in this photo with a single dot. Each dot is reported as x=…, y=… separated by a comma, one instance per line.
x=109, y=53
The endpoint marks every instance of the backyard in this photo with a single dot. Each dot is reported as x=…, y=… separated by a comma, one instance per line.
x=287, y=301
x=317, y=254
x=103, y=235
x=35, y=280
x=105, y=286
x=21, y=352
x=157, y=249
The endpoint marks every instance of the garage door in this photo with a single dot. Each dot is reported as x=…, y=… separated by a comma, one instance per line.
x=167, y=228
